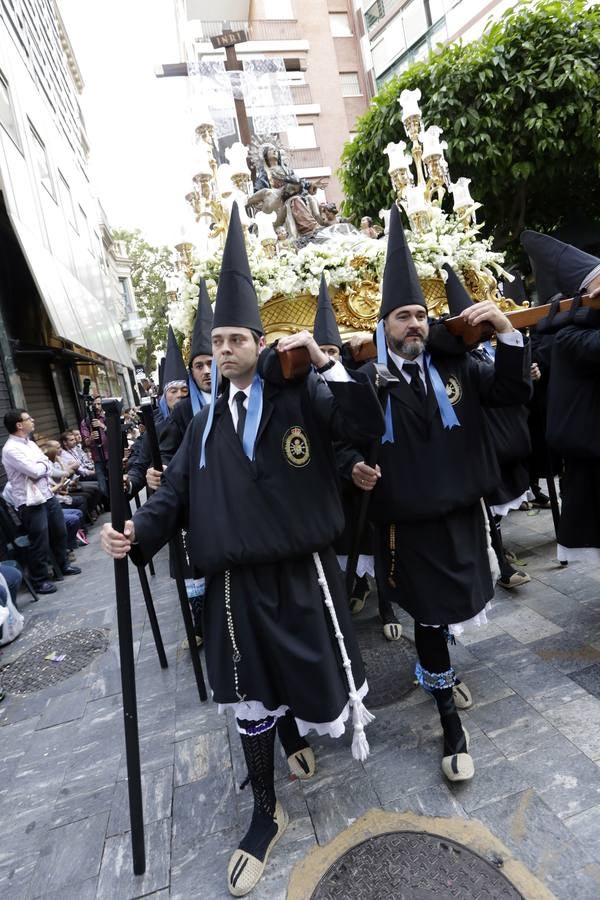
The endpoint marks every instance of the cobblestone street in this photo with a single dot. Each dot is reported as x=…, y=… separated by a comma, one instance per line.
x=534, y=673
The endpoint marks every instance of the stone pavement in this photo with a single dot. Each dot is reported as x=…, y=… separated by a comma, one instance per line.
x=535, y=727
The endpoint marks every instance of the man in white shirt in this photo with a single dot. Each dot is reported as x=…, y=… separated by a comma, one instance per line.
x=27, y=469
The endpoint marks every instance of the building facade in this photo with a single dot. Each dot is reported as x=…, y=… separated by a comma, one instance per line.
x=397, y=33
x=67, y=309
x=319, y=42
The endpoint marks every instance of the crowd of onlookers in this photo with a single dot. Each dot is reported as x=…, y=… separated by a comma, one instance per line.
x=54, y=492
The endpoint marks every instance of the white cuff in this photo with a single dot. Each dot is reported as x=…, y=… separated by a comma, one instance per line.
x=336, y=373
x=510, y=338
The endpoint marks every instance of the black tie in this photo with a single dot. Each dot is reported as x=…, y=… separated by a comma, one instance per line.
x=413, y=369
x=239, y=398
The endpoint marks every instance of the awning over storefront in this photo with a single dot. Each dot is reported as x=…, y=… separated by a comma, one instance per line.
x=76, y=314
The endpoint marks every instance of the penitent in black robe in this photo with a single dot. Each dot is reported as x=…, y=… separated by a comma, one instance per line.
x=573, y=432
x=260, y=522
x=431, y=552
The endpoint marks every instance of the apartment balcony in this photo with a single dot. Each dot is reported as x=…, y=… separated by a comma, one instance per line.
x=301, y=94
x=307, y=159
x=261, y=30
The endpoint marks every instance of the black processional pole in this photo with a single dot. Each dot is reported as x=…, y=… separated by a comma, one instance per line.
x=177, y=557
x=383, y=379
x=112, y=409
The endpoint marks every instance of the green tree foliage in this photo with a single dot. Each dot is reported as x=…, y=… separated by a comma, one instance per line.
x=519, y=110
x=150, y=267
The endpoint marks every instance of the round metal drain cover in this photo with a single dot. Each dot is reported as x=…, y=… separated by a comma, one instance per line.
x=53, y=660
x=409, y=865
x=390, y=665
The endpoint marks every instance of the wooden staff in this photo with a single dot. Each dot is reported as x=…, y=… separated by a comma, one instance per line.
x=383, y=380
x=177, y=556
x=112, y=408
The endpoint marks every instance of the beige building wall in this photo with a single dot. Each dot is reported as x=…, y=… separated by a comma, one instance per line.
x=319, y=38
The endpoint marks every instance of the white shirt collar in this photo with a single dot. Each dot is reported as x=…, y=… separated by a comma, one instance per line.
x=233, y=391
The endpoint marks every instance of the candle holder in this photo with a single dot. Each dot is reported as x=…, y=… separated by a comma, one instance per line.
x=195, y=201
x=203, y=182
x=241, y=182
x=401, y=179
x=419, y=221
x=206, y=132
x=185, y=250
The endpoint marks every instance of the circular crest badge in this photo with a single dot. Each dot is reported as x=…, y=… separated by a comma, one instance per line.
x=454, y=390
x=296, y=447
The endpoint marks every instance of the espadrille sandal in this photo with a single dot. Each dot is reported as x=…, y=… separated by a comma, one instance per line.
x=392, y=631
x=462, y=696
x=302, y=763
x=244, y=870
x=459, y=766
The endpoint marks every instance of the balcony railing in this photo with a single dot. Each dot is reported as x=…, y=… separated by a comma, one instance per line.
x=263, y=30
x=307, y=159
x=301, y=94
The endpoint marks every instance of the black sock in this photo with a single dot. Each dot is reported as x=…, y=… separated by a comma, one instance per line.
x=196, y=604
x=386, y=613
x=289, y=735
x=259, y=753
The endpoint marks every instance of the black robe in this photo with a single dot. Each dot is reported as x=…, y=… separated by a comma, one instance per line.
x=573, y=431
x=431, y=552
x=174, y=429
x=261, y=521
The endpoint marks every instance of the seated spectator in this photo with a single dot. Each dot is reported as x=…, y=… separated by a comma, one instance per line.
x=28, y=471
x=12, y=576
x=11, y=620
x=64, y=485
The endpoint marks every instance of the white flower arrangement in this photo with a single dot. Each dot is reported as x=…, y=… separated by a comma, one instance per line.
x=347, y=261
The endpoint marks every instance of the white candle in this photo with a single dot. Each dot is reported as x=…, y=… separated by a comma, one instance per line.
x=409, y=101
x=385, y=214
x=237, y=155
x=461, y=194
x=397, y=157
x=415, y=200
x=224, y=179
x=264, y=223
x=171, y=284
x=204, y=117
x=431, y=142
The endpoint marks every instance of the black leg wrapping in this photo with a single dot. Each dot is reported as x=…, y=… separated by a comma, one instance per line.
x=436, y=675
x=289, y=735
x=259, y=753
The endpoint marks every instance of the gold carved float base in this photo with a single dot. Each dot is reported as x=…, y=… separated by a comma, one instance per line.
x=356, y=310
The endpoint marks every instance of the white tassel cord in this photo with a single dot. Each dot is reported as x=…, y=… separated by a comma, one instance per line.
x=360, y=714
x=492, y=558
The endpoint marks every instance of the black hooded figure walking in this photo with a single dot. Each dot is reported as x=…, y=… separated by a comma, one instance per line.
x=327, y=335
x=573, y=410
x=198, y=377
x=436, y=462
x=276, y=621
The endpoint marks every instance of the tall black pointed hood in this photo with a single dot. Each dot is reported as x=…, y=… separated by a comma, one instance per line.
x=203, y=323
x=237, y=304
x=401, y=286
x=175, y=369
x=325, y=329
x=458, y=296
x=559, y=268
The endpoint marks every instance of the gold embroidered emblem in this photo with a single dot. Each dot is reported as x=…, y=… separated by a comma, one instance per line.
x=454, y=390
x=296, y=447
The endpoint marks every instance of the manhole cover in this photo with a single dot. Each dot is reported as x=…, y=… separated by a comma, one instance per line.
x=52, y=660
x=409, y=865
x=390, y=665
